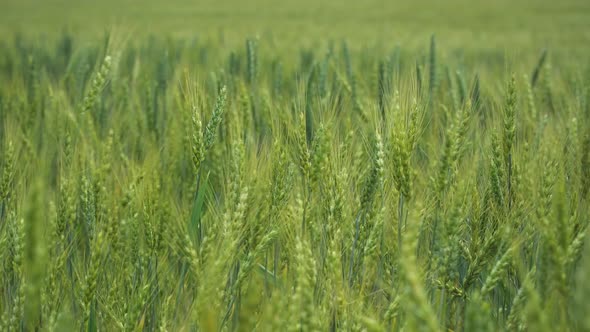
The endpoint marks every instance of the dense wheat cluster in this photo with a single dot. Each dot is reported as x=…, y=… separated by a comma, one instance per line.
x=175, y=184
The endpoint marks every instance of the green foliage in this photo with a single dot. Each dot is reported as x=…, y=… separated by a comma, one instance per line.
x=177, y=185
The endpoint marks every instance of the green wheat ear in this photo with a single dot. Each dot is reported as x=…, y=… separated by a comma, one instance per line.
x=17, y=307
x=211, y=128
x=252, y=61
x=382, y=88
x=97, y=85
x=509, y=135
x=7, y=173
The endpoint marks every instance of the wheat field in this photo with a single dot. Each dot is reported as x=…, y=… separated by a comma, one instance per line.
x=295, y=166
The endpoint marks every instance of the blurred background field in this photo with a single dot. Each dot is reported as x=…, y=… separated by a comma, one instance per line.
x=500, y=24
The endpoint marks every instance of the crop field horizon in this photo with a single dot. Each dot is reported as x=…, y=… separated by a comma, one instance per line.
x=294, y=165
x=502, y=23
